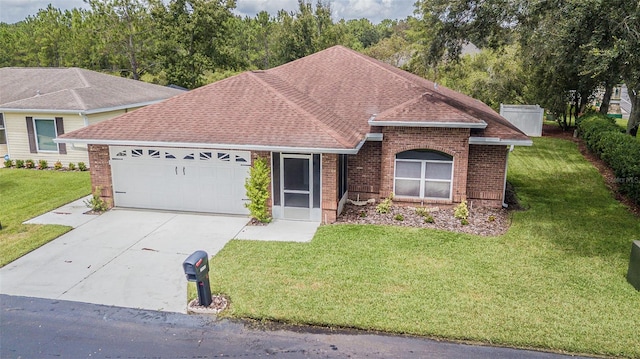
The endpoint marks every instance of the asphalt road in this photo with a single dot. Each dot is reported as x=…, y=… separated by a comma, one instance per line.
x=44, y=328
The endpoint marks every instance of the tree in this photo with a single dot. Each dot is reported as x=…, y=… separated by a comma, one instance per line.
x=571, y=47
x=126, y=34
x=194, y=38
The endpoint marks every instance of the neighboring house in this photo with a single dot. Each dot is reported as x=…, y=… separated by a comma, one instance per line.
x=39, y=104
x=332, y=125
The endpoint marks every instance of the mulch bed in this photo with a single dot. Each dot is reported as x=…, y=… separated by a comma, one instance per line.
x=482, y=221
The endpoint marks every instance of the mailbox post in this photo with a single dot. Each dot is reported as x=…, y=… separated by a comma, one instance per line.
x=196, y=269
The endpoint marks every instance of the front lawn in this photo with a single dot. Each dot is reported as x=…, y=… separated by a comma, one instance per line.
x=25, y=194
x=555, y=281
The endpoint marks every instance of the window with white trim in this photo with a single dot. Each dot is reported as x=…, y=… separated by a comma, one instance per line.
x=45, y=131
x=3, y=135
x=423, y=174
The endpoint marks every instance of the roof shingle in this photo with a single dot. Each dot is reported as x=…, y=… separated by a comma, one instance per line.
x=73, y=89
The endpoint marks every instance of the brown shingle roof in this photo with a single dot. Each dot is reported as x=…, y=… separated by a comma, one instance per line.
x=322, y=101
x=73, y=89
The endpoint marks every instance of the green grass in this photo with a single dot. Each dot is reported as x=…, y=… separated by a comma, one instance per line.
x=25, y=194
x=622, y=123
x=554, y=281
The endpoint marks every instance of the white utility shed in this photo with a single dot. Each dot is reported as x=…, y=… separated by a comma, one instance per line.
x=527, y=118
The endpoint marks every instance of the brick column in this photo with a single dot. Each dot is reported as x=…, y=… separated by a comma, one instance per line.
x=329, y=188
x=101, y=172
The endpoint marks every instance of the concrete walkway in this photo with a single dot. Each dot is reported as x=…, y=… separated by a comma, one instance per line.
x=129, y=258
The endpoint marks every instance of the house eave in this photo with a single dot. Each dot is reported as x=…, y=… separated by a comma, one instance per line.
x=498, y=141
x=346, y=151
x=78, y=111
x=480, y=125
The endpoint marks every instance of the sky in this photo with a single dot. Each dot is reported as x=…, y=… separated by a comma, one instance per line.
x=12, y=11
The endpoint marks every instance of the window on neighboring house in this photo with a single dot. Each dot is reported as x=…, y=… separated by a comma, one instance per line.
x=3, y=135
x=423, y=174
x=45, y=133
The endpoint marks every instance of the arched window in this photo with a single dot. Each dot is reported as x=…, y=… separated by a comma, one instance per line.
x=423, y=174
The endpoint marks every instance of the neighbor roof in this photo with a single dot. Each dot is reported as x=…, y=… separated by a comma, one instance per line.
x=74, y=89
x=327, y=101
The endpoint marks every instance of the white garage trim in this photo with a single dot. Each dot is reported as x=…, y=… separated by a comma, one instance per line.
x=183, y=179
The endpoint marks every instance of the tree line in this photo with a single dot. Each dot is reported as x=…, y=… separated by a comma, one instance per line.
x=556, y=53
x=182, y=42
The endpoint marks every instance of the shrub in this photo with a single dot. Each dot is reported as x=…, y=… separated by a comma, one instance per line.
x=29, y=164
x=57, y=165
x=385, y=206
x=491, y=218
x=96, y=203
x=8, y=163
x=82, y=166
x=461, y=211
x=42, y=164
x=363, y=214
x=429, y=219
x=257, y=186
x=464, y=222
x=72, y=166
x=617, y=149
x=422, y=212
x=19, y=163
x=398, y=217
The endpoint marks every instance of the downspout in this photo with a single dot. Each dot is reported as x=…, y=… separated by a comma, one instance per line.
x=504, y=186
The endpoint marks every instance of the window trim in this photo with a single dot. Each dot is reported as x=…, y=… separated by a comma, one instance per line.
x=35, y=133
x=3, y=130
x=423, y=180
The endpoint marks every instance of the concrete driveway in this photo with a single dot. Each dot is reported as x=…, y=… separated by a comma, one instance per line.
x=126, y=258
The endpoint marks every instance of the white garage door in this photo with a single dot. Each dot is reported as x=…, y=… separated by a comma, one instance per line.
x=201, y=180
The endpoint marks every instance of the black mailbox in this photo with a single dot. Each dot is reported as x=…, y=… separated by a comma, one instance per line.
x=196, y=269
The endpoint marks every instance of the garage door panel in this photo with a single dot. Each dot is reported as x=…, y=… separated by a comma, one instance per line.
x=180, y=179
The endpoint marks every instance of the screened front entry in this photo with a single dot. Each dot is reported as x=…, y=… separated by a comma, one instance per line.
x=423, y=174
x=296, y=186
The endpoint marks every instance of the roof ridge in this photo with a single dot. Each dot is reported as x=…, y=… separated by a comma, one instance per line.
x=78, y=98
x=343, y=141
x=81, y=76
x=381, y=65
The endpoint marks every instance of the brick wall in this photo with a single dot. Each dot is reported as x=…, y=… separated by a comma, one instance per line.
x=101, y=172
x=485, y=178
x=452, y=141
x=329, y=188
x=363, y=171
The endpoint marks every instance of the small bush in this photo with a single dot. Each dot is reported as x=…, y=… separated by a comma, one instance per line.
x=491, y=218
x=42, y=165
x=29, y=164
x=96, y=203
x=398, y=217
x=82, y=166
x=385, y=206
x=8, y=163
x=72, y=166
x=57, y=165
x=422, y=212
x=363, y=214
x=257, y=186
x=429, y=219
x=461, y=211
x=464, y=222
x=19, y=164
